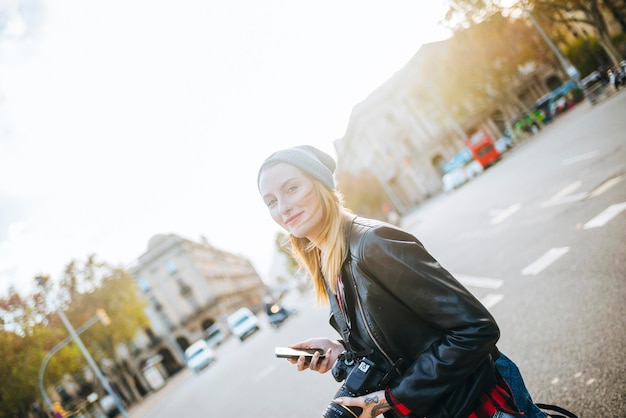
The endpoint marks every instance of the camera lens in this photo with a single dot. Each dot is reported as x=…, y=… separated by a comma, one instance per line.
x=334, y=410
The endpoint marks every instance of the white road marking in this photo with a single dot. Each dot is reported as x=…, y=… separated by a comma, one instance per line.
x=605, y=186
x=482, y=282
x=567, y=190
x=565, y=199
x=605, y=216
x=579, y=158
x=266, y=371
x=545, y=260
x=491, y=299
x=503, y=215
x=564, y=195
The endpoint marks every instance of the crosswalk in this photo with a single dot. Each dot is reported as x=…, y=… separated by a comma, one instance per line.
x=540, y=264
x=605, y=216
x=472, y=282
x=568, y=194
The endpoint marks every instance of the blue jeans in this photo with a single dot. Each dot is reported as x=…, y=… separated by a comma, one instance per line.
x=513, y=377
x=500, y=414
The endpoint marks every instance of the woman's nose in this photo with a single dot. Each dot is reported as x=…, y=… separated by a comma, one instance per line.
x=283, y=207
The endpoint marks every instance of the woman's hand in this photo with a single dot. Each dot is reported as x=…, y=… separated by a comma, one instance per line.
x=331, y=348
x=373, y=404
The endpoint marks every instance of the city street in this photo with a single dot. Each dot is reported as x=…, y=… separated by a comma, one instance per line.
x=539, y=238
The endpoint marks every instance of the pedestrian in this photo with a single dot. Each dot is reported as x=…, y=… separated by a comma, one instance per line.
x=612, y=79
x=58, y=410
x=620, y=77
x=414, y=342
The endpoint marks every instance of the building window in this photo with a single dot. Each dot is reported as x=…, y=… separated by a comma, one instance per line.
x=150, y=334
x=170, y=266
x=185, y=289
x=155, y=304
x=143, y=284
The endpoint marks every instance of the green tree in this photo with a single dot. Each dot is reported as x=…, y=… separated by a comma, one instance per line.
x=30, y=329
x=96, y=285
x=482, y=65
x=363, y=194
x=586, y=54
x=586, y=12
x=617, y=8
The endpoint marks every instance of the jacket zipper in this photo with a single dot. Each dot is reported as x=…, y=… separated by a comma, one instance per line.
x=367, y=328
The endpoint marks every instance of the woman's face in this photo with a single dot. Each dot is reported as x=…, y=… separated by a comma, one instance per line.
x=292, y=199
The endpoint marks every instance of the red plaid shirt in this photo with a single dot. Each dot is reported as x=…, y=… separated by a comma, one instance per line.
x=498, y=398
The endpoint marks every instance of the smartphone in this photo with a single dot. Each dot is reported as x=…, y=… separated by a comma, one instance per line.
x=288, y=352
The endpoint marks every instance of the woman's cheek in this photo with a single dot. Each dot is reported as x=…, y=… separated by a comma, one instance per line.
x=276, y=217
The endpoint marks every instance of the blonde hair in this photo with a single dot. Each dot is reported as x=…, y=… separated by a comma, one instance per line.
x=307, y=253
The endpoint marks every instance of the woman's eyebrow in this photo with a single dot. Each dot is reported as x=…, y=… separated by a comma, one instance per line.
x=282, y=186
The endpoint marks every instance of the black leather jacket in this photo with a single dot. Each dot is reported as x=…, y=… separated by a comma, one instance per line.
x=403, y=304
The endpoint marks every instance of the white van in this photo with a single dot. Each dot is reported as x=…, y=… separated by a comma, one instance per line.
x=215, y=336
x=243, y=323
x=199, y=355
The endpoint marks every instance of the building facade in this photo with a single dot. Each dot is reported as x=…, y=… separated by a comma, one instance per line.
x=403, y=131
x=190, y=287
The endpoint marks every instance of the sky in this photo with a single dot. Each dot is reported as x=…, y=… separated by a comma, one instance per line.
x=123, y=119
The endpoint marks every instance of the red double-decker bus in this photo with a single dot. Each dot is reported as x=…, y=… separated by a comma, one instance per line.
x=482, y=148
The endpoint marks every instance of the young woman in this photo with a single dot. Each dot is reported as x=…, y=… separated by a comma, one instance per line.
x=421, y=344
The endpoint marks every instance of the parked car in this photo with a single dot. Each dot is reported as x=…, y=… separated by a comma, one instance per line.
x=277, y=314
x=559, y=100
x=454, y=179
x=593, y=86
x=503, y=144
x=199, y=355
x=215, y=336
x=108, y=405
x=243, y=323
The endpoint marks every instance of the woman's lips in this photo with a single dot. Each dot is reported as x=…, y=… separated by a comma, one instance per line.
x=290, y=220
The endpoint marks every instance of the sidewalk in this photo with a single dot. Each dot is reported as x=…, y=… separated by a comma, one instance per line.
x=142, y=409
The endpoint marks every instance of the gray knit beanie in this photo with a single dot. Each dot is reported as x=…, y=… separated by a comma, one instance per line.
x=311, y=160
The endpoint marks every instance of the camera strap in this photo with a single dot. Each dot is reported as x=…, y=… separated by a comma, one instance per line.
x=338, y=306
x=339, y=314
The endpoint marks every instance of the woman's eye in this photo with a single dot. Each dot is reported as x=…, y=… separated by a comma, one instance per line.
x=270, y=203
x=292, y=189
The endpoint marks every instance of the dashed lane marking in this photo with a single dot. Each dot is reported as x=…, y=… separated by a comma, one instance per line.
x=566, y=199
x=605, y=186
x=490, y=299
x=565, y=196
x=605, y=216
x=578, y=377
x=266, y=371
x=482, y=282
x=502, y=215
x=545, y=260
x=567, y=190
x=579, y=158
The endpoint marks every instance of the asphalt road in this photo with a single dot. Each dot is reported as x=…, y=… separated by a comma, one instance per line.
x=540, y=238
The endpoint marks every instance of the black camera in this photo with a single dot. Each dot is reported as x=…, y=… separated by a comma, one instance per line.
x=361, y=377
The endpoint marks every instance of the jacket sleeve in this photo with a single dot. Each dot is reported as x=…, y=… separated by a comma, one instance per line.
x=467, y=331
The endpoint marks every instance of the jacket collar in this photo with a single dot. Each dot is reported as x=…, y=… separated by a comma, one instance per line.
x=350, y=218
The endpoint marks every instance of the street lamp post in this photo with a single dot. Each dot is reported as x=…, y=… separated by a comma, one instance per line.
x=55, y=350
x=74, y=336
x=569, y=68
